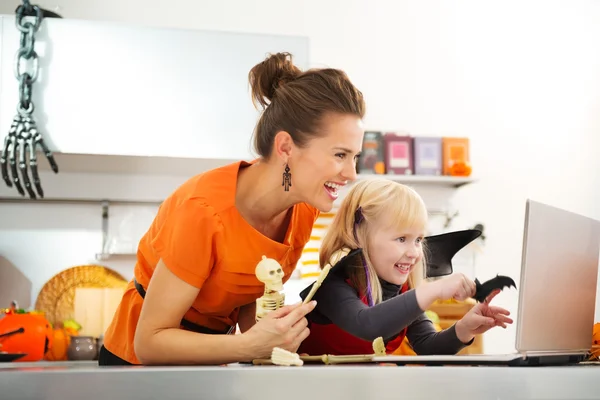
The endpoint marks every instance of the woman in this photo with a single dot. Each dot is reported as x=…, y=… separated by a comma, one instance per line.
x=194, y=277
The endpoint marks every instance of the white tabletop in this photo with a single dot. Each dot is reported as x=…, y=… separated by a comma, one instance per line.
x=87, y=381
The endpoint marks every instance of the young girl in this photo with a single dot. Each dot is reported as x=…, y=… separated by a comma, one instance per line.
x=373, y=292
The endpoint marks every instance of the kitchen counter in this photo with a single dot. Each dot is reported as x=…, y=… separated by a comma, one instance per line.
x=86, y=380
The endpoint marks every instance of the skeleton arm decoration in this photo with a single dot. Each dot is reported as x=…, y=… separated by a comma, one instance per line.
x=333, y=260
x=269, y=272
x=23, y=137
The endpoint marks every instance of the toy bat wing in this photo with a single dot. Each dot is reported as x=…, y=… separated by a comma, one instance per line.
x=440, y=249
x=484, y=289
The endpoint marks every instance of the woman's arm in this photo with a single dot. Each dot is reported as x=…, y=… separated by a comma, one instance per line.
x=158, y=337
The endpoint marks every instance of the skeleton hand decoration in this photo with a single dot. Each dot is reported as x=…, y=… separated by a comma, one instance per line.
x=333, y=260
x=23, y=137
x=269, y=272
x=287, y=358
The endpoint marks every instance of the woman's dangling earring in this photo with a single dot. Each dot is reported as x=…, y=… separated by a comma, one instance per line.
x=287, y=178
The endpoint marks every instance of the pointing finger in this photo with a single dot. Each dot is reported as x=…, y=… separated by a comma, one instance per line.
x=498, y=310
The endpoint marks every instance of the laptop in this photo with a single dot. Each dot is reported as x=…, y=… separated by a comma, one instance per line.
x=557, y=293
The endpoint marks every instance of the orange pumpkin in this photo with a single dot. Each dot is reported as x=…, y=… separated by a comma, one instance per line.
x=460, y=168
x=28, y=333
x=595, y=350
x=60, y=345
x=596, y=333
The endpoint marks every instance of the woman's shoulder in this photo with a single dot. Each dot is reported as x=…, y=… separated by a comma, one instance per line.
x=215, y=187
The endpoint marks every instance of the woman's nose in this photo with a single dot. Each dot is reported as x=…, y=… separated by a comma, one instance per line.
x=349, y=171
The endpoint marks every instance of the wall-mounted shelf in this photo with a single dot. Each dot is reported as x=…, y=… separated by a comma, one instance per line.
x=449, y=181
x=104, y=255
x=114, y=256
x=134, y=165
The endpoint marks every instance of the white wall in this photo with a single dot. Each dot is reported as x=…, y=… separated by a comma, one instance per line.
x=520, y=78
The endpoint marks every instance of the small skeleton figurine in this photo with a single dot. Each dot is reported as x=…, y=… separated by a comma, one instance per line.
x=269, y=272
x=287, y=179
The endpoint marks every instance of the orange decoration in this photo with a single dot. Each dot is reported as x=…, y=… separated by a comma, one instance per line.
x=28, y=333
x=60, y=343
x=595, y=350
x=596, y=334
x=460, y=168
x=380, y=168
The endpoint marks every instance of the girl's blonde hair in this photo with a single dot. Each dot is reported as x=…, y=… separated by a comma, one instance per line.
x=382, y=200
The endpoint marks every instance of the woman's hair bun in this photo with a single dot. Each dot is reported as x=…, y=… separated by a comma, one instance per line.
x=266, y=77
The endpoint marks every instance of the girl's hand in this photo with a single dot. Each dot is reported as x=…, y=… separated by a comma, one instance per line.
x=457, y=286
x=482, y=318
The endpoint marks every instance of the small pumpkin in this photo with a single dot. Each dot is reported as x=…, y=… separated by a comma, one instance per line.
x=25, y=332
x=60, y=344
x=460, y=168
x=595, y=350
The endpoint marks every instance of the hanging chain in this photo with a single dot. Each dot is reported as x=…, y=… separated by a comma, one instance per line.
x=23, y=136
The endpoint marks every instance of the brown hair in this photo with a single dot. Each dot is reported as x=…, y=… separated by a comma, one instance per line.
x=296, y=101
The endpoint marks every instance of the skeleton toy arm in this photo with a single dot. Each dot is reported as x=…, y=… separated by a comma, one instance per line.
x=269, y=272
x=333, y=260
x=18, y=152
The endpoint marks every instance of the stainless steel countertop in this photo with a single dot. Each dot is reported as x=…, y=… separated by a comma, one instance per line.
x=86, y=380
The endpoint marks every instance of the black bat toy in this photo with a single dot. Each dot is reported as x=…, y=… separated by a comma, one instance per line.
x=483, y=290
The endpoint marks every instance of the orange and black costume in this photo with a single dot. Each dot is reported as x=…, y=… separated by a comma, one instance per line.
x=344, y=322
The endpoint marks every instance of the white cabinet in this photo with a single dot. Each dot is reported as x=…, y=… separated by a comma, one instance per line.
x=107, y=88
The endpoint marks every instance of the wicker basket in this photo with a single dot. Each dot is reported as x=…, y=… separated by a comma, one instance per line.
x=56, y=299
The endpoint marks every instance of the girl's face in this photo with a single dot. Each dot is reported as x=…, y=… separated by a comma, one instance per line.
x=394, y=253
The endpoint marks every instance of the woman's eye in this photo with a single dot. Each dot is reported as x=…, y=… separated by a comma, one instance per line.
x=341, y=155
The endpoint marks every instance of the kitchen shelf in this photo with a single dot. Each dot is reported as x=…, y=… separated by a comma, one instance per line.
x=135, y=165
x=109, y=256
x=69, y=200
x=449, y=181
x=114, y=256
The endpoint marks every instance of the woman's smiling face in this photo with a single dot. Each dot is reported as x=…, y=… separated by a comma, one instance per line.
x=328, y=162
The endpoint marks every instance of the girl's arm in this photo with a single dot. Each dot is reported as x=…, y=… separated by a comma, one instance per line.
x=425, y=340
x=339, y=302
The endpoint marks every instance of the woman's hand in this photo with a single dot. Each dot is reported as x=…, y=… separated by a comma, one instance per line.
x=482, y=318
x=285, y=328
